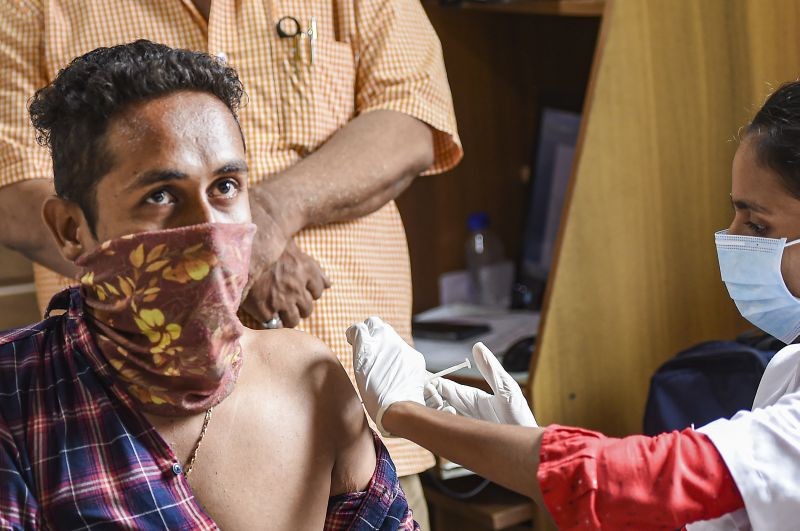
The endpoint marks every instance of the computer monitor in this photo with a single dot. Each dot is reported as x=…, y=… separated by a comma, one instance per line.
x=558, y=134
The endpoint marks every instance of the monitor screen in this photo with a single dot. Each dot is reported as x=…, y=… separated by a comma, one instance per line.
x=558, y=134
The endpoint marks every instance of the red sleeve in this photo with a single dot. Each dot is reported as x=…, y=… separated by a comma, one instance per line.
x=590, y=481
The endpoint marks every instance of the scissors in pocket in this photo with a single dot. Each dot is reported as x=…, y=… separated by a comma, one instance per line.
x=290, y=28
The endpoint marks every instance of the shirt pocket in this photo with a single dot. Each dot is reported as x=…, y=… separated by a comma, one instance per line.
x=316, y=98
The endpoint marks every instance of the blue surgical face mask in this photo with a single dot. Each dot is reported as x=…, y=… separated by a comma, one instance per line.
x=751, y=270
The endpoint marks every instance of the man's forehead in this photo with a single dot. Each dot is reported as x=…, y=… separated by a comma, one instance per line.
x=181, y=134
x=185, y=112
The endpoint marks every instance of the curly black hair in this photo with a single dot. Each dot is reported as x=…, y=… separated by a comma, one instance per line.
x=775, y=129
x=71, y=114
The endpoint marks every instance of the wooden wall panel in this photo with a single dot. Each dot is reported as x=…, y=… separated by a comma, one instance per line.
x=501, y=67
x=636, y=277
x=18, y=310
x=17, y=300
x=14, y=267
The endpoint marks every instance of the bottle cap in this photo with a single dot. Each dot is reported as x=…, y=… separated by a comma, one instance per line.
x=478, y=221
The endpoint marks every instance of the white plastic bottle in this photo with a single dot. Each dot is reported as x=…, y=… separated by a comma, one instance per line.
x=483, y=248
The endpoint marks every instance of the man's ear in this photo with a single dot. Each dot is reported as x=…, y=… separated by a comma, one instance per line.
x=68, y=226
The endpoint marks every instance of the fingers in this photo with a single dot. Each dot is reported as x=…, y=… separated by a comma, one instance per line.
x=374, y=323
x=357, y=335
x=290, y=317
x=305, y=305
x=290, y=307
x=291, y=310
x=254, y=305
x=436, y=402
x=432, y=398
x=458, y=396
x=366, y=329
x=317, y=280
x=289, y=287
x=356, y=332
x=491, y=369
x=463, y=399
x=316, y=285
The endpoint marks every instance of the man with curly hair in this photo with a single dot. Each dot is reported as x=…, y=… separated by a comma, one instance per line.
x=340, y=119
x=141, y=401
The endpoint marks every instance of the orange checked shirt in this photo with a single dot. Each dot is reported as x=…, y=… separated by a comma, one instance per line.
x=369, y=55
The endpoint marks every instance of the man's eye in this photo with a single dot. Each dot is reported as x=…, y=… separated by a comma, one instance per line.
x=228, y=187
x=161, y=197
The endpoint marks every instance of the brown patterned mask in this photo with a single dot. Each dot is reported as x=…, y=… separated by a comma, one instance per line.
x=162, y=306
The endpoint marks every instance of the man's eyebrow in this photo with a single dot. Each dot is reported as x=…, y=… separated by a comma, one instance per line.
x=155, y=176
x=745, y=205
x=237, y=166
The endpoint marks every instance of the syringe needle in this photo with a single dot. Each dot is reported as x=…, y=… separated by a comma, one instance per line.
x=465, y=364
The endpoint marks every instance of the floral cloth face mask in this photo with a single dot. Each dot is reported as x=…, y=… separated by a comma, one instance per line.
x=162, y=306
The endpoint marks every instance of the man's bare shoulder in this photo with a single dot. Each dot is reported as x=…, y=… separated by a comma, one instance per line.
x=317, y=378
x=308, y=365
x=288, y=352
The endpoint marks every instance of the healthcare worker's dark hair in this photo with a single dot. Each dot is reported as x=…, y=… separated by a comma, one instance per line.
x=71, y=114
x=776, y=133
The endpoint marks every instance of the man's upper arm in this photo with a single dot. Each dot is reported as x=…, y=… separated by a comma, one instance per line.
x=347, y=422
x=19, y=508
x=25, y=166
x=400, y=68
x=21, y=50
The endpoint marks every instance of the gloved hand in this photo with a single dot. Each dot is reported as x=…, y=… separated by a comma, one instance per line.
x=506, y=405
x=387, y=369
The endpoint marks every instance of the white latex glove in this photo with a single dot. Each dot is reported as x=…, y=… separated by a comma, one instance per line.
x=387, y=369
x=506, y=406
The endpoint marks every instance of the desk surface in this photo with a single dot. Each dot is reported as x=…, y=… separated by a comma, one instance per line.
x=494, y=508
x=507, y=327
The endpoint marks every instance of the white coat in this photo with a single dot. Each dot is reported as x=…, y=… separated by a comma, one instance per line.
x=762, y=451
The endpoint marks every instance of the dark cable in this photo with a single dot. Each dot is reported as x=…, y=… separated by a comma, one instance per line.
x=455, y=494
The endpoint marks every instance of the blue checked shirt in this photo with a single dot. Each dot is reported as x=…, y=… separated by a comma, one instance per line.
x=75, y=453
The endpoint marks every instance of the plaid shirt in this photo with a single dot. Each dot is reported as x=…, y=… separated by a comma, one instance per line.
x=382, y=506
x=76, y=454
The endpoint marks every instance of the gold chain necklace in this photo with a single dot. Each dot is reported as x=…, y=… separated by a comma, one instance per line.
x=188, y=468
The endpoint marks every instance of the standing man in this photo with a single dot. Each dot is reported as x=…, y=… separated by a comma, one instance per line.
x=348, y=103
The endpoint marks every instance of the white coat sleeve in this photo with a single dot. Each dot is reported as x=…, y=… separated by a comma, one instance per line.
x=761, y=448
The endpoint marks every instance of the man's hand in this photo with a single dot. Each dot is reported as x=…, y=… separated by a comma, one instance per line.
x=284, y=281
x=287, y=288
x=387, y=369
x=506, y=406
x=361, y=167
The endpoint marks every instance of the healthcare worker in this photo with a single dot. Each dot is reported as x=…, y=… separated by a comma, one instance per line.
x=742, y=473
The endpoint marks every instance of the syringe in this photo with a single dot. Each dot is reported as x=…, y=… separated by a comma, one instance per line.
x=463, y=365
